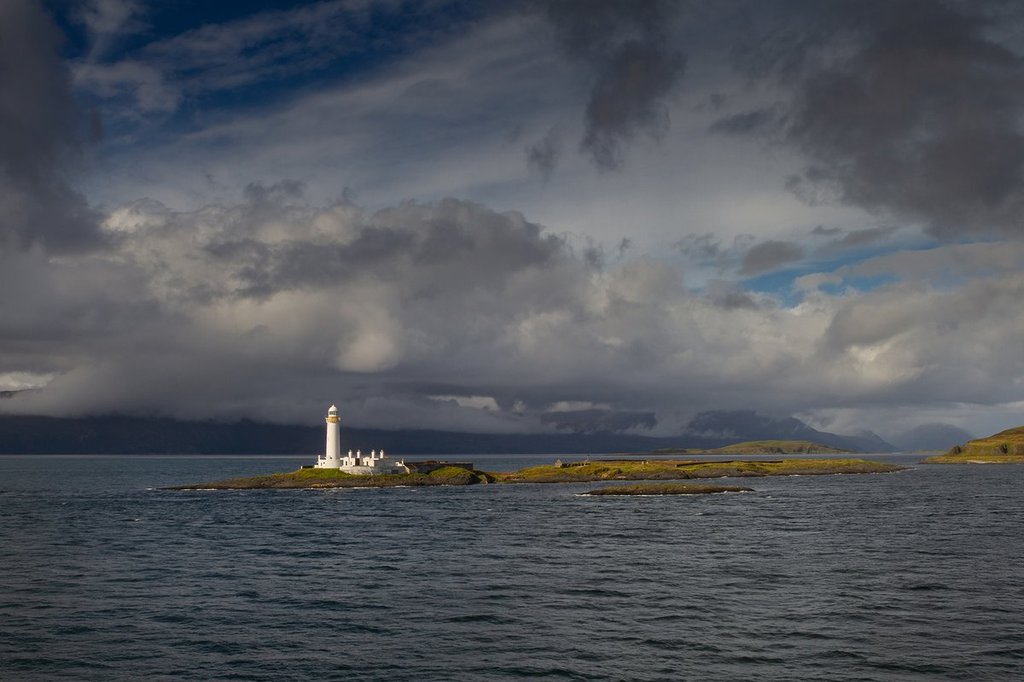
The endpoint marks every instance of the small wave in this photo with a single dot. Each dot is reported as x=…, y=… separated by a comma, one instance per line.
x=925, y=587
x=481, y=618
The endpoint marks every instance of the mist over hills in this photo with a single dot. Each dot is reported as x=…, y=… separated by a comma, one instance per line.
x=742, y=425
x=132, y=435
x=932, y=437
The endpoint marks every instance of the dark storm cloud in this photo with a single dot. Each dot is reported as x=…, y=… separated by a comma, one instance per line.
x=41, y=133
x=769, y=255
x=908, y=108
x=745, y=122
x=542, y=156
x=635, y=68
x=449, y=246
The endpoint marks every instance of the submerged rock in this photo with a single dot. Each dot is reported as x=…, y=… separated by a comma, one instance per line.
x=668, y=489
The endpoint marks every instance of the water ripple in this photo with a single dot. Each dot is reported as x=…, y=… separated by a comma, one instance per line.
x=105, y=577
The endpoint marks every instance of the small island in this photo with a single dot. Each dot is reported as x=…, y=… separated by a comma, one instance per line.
x=644, y=489
x=1005, y=447
x=559, y=472
x=309, y=477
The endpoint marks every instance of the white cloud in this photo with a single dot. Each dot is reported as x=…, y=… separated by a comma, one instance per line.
x=455, y=316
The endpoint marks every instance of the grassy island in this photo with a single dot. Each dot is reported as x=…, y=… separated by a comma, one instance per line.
x=664, y=470
x=333, y=478
x=760, y=447
x=572, y=472
x=668, y=489
x=1005, y=447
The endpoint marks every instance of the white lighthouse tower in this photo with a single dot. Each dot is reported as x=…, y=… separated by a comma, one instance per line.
x=332, y=455
x=374, y=463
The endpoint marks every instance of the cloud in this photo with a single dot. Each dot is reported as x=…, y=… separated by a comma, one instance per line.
x=635, y=67
x=542, y=156
x=728, y=294
x=770, y=255
x=822, y=231
x=941, y=266
x=908, y=109
x=452, y=315
x=744, y=122
x=106, y=20
x=258, y=49
x=270, y=299
x=42, y=135
x=853, y=239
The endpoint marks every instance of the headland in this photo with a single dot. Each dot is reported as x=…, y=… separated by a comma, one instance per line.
x=1005, y=447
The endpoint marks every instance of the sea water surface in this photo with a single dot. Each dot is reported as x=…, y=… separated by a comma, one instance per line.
x=103, y=576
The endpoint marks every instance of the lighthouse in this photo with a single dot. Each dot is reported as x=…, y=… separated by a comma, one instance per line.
x=374, y=463
x=332, y=455
x=333, y=435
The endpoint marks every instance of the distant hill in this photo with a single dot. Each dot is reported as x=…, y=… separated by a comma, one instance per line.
x=722, y=428
x=151, y=435
x=1003, y=447
x=763, y=447
x=142, y=435
x=934, y=436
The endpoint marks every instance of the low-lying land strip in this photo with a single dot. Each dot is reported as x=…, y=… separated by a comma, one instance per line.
x=1005, y=447
x=760, y=447
x=668, y=489
x=663, y=470
x=573, y=472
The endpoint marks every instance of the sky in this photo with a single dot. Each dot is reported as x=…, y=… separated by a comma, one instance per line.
x=514, y=216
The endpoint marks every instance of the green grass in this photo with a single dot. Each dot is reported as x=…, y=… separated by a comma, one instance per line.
x=333, y=478
x=1006, y=447
x=668, y=489
x=626, y=470
x=318, y=473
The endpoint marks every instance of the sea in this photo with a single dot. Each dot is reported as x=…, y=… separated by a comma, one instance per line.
x=917, y=575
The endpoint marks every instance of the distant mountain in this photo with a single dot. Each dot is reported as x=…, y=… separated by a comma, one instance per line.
x=720, y=427
x=140, y=435
x=932, y=437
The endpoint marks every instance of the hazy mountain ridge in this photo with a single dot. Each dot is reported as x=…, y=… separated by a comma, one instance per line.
x=131, y=435
x=932, y=437
x=746, y=425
